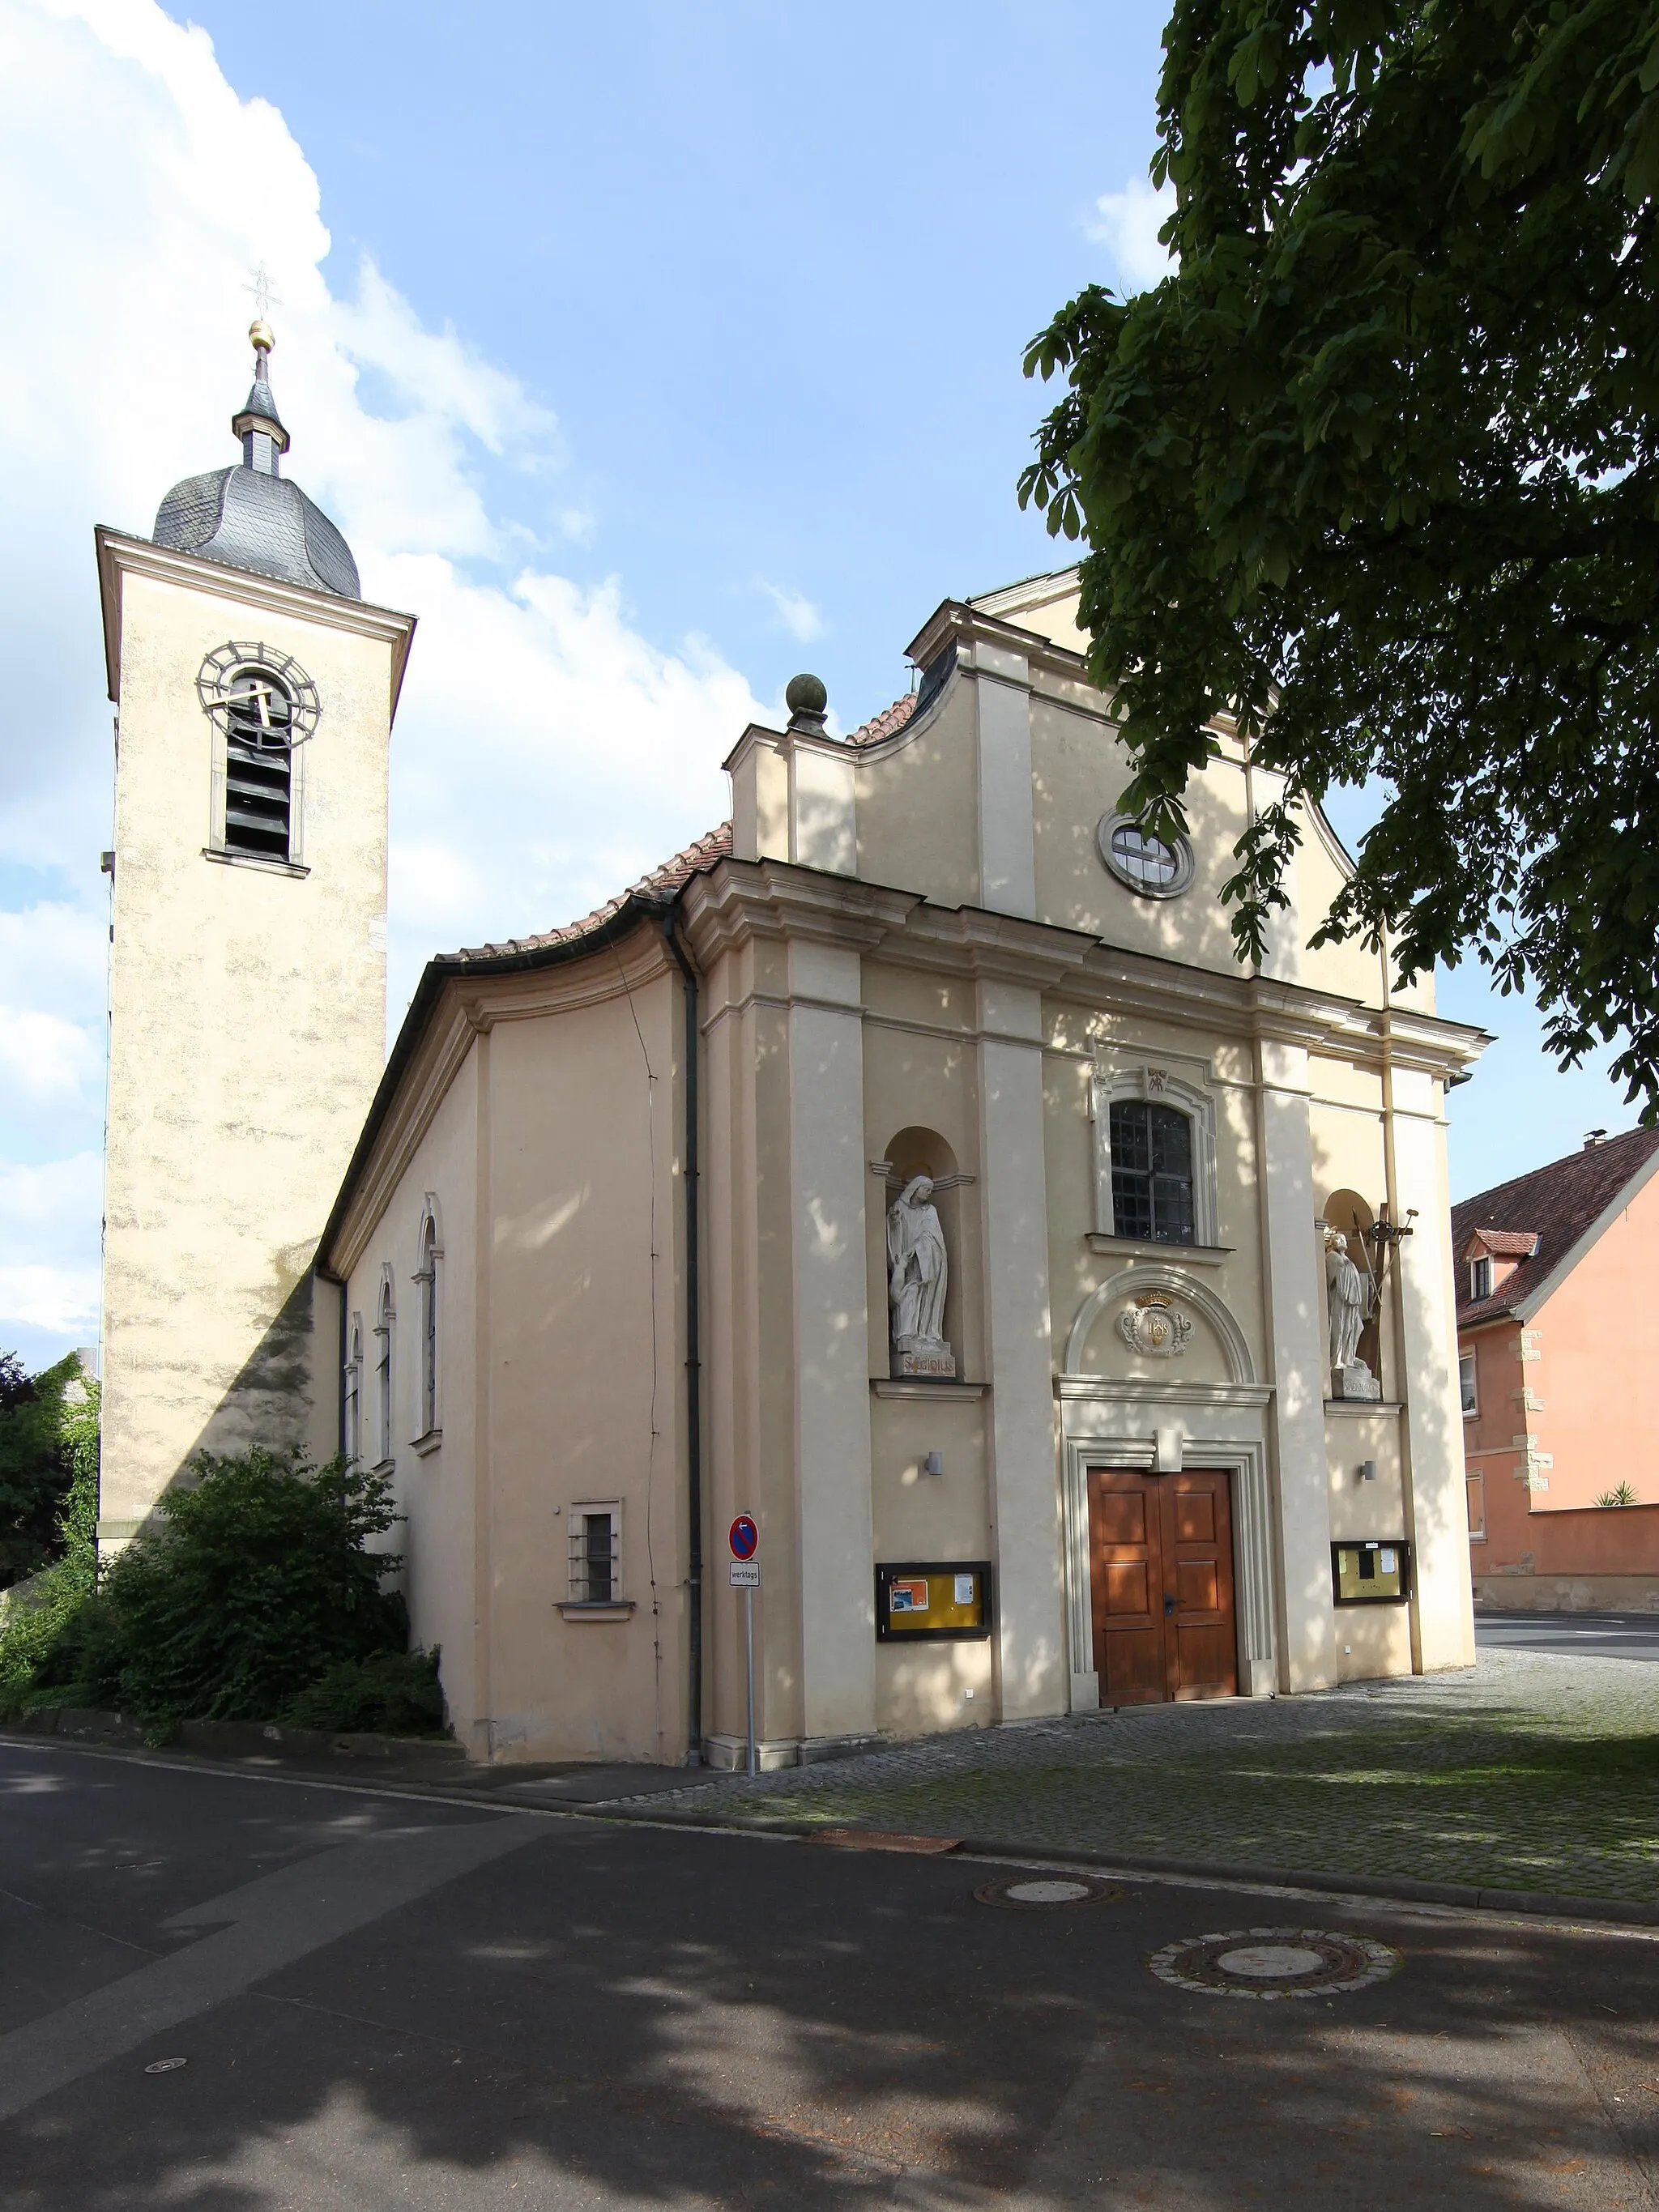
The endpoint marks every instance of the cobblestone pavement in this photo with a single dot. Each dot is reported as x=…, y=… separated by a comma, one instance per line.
x=1528, y=1771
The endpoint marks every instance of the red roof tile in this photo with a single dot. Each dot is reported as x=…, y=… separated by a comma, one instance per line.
x=884, y=724
x=1505, y=1244
x=1553, y=1205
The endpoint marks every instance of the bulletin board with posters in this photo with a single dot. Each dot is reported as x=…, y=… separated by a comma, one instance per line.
x=932, y=1601
x=1371, y=1573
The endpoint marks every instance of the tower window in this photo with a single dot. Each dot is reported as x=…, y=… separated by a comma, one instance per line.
x=259, y=724
x=1151, y=1172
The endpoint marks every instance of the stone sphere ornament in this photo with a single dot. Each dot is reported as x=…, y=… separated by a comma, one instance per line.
x=806, y=696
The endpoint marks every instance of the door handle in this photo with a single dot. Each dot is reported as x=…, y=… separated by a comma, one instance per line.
x=1168, y=1604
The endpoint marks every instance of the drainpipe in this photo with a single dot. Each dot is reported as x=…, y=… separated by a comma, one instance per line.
x=693, y=1361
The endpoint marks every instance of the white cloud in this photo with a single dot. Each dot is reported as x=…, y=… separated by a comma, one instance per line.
x=545, y=753
x=1127, y=225
x=47, y=1058
x=49, y=1246
x=796, y=612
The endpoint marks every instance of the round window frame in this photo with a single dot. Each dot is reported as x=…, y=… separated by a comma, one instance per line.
x=1185, y=865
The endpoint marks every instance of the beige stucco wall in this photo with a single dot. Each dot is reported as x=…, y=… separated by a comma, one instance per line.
x=247, y=1032
x=551, y=1143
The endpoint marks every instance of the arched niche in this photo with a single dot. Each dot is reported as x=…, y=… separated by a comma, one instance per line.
x=918, y=1151
x=1099, y=1312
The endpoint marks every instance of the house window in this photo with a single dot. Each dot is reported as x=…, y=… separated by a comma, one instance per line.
x=383, y=1370
x=1148, y=865
x=1479, y=1280
x=1474, y=1490
x=258, y=765
x=427, y=1277
x=1151, y=1172
x=354, y=1393
x=1466, y=1383
x=595, y=1537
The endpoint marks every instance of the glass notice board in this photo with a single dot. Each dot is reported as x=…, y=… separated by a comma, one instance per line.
x=932, y=1601
x=1368, y=1573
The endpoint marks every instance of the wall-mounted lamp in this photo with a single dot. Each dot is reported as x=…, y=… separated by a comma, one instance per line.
x=933, y=1464
x=1368, y=1470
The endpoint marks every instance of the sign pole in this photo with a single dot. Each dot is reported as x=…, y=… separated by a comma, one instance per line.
x=744, y=1539
x=749, y=1653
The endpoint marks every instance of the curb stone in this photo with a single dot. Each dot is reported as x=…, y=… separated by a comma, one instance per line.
x=1385, y=1889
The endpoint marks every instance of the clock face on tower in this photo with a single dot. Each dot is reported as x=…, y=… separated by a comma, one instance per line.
x=258, y=696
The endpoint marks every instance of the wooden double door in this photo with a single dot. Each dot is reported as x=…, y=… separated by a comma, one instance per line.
x=1161, y=1576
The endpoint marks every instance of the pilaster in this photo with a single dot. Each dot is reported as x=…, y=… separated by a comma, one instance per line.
x=828, y=1174
x=1295, y=1293
x=1025, y=1488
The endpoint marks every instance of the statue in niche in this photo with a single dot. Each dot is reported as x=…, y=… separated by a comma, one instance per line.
x=917, y=1275
x=1349, y=1297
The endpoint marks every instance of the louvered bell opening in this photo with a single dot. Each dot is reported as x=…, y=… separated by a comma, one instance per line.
x=259, y=768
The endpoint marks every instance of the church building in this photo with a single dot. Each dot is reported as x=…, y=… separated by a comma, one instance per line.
x=908, y=1167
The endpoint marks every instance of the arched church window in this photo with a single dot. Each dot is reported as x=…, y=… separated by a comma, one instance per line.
x=427, y=1277
x=1151, y=1171
x=258, y=723
x=354, y=1393
x=383, y=1370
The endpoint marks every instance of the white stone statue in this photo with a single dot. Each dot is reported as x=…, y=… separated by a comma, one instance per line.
x=918, y=1272
x=1348, y=1300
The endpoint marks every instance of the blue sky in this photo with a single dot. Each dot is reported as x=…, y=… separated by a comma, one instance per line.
x=649, y=357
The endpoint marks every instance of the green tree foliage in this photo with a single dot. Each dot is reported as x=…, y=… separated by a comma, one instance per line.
x=256, y=1580
x=1377, y=471
x=37, y=1415
x=36, y=1613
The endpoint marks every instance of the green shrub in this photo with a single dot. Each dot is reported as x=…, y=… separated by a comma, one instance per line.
x=254, y=1581
x=38, y=1417
x=34, y=1614
x=393, y=1693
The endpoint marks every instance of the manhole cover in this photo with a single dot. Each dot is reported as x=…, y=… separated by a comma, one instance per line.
x=1031, y=1892
x=1275, y=1962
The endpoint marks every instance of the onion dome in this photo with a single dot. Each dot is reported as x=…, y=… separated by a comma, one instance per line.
x=249, y=516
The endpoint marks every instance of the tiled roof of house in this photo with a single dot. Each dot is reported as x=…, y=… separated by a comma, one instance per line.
x=1553, y=1205
x=656, y=887
x=885, y=723
x=1507, y=1244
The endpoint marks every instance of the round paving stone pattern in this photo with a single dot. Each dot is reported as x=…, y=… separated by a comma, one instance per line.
x=1268, y=1963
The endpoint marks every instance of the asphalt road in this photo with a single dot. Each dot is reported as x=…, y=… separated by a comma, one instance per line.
x=387, y=2002
x=1604, y=1635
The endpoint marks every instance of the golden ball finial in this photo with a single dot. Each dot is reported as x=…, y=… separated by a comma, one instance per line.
x=260, y=335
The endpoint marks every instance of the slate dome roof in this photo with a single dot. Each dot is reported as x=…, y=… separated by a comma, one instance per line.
x=248, y=516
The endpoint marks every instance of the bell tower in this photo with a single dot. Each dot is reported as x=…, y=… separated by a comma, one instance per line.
x=254, y=692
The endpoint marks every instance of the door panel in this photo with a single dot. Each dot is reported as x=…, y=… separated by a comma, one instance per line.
x=1126, y=1578
x=1200, y=1645
x=1161, y=1579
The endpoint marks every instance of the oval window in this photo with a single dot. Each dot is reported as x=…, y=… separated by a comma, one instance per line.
x=1153, y=866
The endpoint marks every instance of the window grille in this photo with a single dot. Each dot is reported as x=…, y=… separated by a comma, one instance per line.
x=1466, y=1383
x=259, y=766
x=595, y=1539
x=383, y=1372
x=1151, y=1172
x=354, y=1405
x=428, y=1279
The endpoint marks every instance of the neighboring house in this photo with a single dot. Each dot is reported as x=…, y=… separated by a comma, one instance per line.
x=1554, y=1336
x=909, y=1164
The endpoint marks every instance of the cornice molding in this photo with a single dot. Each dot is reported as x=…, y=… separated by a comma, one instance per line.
x=119, y=557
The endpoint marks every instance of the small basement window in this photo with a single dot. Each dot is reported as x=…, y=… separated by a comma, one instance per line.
x=595, y=1538
x=258, y=765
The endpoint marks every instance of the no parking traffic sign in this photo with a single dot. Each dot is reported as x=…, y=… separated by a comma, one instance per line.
x=744, y=1537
